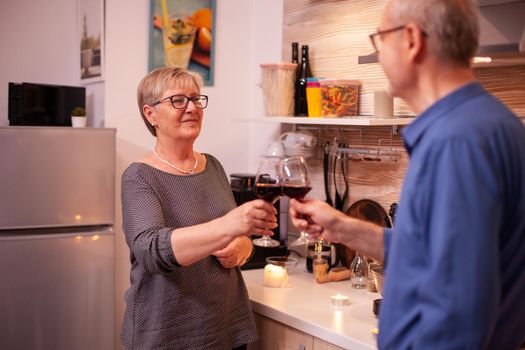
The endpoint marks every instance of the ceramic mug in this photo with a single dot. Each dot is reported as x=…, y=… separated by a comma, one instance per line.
x=383, y=104
x=275, y=150
x=298, y=139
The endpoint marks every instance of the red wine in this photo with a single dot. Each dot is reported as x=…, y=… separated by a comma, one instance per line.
x=296, y=191
x=268, y=192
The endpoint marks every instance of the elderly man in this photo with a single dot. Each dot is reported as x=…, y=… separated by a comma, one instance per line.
x=455, y=262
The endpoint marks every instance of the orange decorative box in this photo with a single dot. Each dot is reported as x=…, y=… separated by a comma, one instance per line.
x=340, y=97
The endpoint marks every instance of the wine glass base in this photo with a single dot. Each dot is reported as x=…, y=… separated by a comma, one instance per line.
x=266, y=242
x=302, y=240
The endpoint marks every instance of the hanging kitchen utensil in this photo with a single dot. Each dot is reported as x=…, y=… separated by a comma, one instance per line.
x=344, y=171
x=338, y=200
x=364, y=209
x=392, y=213
x=326, y=177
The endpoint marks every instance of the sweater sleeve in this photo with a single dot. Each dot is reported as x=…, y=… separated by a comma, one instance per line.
x=144, y=226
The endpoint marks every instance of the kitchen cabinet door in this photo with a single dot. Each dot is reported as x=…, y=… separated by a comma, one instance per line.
x=323, y=345
x=274, y=335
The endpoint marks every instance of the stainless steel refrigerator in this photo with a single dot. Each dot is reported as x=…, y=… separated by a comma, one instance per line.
x=57, y=211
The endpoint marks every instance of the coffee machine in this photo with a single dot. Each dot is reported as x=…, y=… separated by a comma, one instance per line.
x=243, y=191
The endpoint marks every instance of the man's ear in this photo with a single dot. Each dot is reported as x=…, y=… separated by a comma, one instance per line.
x=415, y=42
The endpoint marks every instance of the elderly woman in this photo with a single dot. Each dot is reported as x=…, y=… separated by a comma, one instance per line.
x=186, y=237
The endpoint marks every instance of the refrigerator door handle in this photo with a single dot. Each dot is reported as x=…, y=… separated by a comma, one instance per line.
x=78, y=232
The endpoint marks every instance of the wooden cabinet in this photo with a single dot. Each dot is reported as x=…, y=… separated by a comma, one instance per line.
x=274, y=335
x=320, y=344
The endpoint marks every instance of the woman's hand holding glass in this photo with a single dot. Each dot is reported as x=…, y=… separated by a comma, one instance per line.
x=254, y=217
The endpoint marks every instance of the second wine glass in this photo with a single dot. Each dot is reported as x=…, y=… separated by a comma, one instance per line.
x=296, y=183
x=268, y=188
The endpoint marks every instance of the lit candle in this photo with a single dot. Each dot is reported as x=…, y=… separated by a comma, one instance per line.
x=339, y=300
x=274, y=276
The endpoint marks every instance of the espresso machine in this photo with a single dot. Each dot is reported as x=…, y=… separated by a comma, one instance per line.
x=243, y=191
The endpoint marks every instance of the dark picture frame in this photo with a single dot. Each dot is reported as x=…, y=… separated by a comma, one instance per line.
x=91, y=40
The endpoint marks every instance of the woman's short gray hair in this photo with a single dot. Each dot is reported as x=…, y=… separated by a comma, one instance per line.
x=452, y=26
x=153, y=85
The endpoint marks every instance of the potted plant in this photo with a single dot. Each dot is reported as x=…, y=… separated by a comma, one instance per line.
x=78, y=117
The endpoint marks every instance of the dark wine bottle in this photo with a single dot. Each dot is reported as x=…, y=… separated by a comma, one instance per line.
x=301, y=107
x=295, y=59
x=295, y=53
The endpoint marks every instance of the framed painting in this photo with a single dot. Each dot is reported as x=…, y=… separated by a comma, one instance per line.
x=91, y=38
x=182, y=35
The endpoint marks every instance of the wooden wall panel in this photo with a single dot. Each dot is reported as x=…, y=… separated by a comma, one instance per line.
x=507, y=84
x=376, y=180
x=337, y=32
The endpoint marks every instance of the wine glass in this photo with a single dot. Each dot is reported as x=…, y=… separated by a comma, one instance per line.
x=296, y=184
x=268, y=188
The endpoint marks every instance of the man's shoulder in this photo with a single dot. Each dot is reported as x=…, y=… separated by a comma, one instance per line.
x=480, y=115
x=487, y=108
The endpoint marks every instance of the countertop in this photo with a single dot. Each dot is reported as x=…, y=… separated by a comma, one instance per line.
x=305, y=305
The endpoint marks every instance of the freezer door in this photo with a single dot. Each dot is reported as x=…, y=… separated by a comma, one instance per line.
x=57, y=291
x=56, y=177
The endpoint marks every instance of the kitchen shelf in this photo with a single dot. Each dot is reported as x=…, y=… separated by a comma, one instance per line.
x=500, y=56
x=372, y=58
x=355, y=121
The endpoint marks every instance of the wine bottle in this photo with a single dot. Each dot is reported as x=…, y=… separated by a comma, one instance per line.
x=301, y=108
x=295, y=59
x=295, y=53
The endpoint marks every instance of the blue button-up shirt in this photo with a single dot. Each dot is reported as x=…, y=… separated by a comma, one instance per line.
x=455, y=275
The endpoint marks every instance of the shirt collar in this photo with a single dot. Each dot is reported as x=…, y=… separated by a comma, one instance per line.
x=413, y=132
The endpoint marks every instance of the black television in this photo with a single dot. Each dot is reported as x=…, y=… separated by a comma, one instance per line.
x=43, y=104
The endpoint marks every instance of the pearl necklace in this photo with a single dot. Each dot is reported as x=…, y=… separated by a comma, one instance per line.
x=187, y=172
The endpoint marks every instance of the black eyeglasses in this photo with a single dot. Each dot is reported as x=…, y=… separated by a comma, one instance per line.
x=377, y=40
x=182, y=101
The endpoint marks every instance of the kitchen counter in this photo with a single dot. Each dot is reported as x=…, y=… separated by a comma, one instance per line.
x=305, y=305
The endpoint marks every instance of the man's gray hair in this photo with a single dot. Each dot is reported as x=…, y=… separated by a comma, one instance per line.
x=452, y=26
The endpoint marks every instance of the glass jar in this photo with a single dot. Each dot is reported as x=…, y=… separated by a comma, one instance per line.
x=359, y=272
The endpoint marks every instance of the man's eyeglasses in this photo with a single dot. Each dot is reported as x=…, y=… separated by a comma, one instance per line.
x=182, y=101
x=377, y=37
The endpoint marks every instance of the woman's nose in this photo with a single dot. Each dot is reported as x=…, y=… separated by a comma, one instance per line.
x=191, y=105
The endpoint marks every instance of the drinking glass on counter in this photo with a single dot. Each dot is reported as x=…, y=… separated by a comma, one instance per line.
x=359, y=271
x=268, y=188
